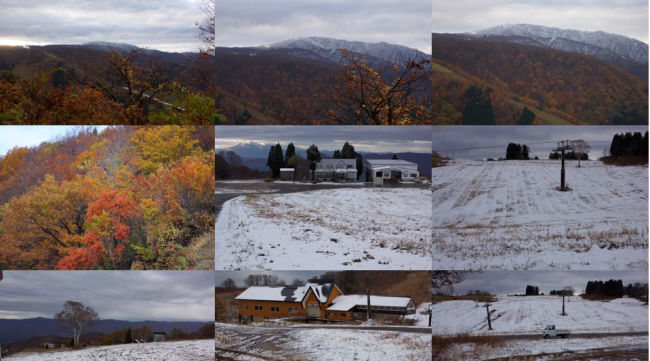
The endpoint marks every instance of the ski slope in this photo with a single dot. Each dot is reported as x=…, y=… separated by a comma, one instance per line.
x=508, y=215
x=513, y=315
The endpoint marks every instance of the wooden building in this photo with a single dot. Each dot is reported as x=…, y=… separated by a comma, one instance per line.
x=159, y=336
x=319, y=299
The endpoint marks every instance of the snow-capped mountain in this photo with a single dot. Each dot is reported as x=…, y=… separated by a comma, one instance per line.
x=573, y=40
x=329, y=48
x=249, y=149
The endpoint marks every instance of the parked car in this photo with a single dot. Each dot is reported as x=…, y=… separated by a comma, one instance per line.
x=551, y=331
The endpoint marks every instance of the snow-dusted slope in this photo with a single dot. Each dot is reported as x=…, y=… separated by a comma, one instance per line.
x=557, y=38
x=106, y=44
x=508, y=215
x=532, y=314
x=329, y=48
x=201, y=350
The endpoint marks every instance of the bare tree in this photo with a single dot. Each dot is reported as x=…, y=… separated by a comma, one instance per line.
x=76, y=317
x=388, y=95
x=297, y=282
x=580, y=147
x=229, y=284
x=444, y=281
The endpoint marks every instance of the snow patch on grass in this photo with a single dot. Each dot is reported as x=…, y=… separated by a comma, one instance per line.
x=508, y=215
x=334, y=228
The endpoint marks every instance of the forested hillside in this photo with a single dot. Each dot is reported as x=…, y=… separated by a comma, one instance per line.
x=257, y=86
x=124, y=198
x=486, y=82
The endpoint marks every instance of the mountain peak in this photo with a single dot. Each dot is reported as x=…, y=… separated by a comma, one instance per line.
x=329, y=48
x=549, y=36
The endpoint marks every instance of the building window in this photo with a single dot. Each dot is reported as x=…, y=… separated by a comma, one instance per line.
x=343, y=315
x=319, y=166
x=244, y=307
x=293, y=310
x=275, y=309
x=258, y=308
x=329, y=166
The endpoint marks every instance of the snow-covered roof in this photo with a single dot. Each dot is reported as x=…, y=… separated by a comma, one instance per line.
x=287, y=170
x=348, y=302
x=380, y=168
x=389, y=162
x=346, y=170
x=320, y=288
x=273, y=293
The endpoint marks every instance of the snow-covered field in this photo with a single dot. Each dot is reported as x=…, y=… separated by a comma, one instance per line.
x=201, y=350
x=323, y=229
x=508, y=215
x=320, y=344
x=581, y=348
x=516, y=315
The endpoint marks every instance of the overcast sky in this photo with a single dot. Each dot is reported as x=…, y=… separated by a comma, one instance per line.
x=167, y=25
x=459, y=138
x=120, y=295
x=624, y=17
x=262, y=22
x=30, y=136
x=381, y=139
x=287, y=276
x=511, y=282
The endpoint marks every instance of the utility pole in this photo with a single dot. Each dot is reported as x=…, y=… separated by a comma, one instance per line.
x=487, y=307
x=563, y=294
x=368, y=309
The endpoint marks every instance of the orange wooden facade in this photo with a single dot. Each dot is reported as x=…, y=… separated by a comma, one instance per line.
x=310, y=306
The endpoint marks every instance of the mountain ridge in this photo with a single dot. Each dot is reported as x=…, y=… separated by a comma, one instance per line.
x=628, y=47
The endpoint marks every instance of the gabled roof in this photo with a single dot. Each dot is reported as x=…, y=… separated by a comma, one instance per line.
x=335, y=161
x=389, y=162
x=348, y=302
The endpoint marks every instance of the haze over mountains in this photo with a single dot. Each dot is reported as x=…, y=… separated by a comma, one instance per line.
x=15, y=330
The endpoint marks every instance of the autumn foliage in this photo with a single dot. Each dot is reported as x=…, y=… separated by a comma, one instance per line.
x=125, y=198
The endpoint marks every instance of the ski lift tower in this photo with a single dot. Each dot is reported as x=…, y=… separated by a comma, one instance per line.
x=487, y=308
x=562, y=146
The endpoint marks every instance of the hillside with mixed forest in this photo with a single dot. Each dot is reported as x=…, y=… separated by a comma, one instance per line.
x=483, y=81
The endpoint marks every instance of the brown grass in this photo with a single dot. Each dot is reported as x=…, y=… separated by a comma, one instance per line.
x=624, y=161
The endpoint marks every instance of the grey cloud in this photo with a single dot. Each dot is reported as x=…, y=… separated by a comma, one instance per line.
x=264, y=22
x=364, y=138
x=447, y=138
x=624, y=17
x=165, y=25
x=126, y=295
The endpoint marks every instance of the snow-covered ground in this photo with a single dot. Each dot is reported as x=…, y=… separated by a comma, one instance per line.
x=421, y=317
x=201, y=350
x=348, y=228
x=291, y=344
x=581, y=348
x=508, y=215
x=517, y=315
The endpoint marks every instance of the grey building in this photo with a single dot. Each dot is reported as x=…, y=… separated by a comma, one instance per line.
x=336, y=170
